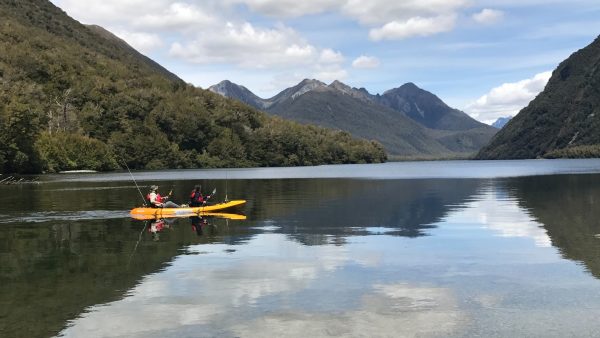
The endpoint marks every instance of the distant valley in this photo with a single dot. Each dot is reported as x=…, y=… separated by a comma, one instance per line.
x=410, y=122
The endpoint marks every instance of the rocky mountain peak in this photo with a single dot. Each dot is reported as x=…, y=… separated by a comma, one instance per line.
x=306, y=85
x=361, y=94
x=223, y=87
x=229, y=89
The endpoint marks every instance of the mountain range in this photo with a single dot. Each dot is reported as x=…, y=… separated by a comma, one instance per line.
x=563, y=120
x=408, y=121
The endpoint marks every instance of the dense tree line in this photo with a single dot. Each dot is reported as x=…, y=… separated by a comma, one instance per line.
x=585, y=151
x=72, y=98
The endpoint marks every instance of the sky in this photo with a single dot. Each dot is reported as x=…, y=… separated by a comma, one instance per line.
x=487, y=58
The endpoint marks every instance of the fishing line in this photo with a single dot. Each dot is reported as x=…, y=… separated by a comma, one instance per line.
x=133, y=178
x=226, y=180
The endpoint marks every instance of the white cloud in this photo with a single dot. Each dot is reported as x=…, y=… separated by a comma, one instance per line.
x=247, y=46
x=141, y=23
x=364, y=61
x=488, y=16
x=331, y=56
x=377, y=12
x=143, y=42
x=416, y=26
x=507, y=99
x=330, y=74
x=109, y=12
x=288, y=8
x=250, y=47
x=176, y=15
x=407, y=16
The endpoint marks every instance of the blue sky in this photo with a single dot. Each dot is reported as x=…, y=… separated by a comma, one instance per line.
x=488, y=58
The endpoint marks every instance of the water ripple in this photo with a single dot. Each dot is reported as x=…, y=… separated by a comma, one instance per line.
x=47, y=216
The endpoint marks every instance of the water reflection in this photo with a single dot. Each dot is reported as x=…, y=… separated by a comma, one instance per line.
x=569, y=208
x=496, y=208
x=314, y=258
x=52, y=271
x=265, y=293
x=316, y=212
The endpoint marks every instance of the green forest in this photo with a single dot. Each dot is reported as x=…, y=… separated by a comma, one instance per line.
x=76, y=97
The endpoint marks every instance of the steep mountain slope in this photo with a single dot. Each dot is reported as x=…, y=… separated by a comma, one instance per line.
x=124, y=46
x=328, y=107
x=426, y=108
x=77, y=97
x=563, y=120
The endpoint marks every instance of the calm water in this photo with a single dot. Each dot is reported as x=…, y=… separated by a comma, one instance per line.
x=443, y=249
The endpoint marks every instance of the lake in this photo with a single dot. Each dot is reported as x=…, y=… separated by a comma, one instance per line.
x=427, y=249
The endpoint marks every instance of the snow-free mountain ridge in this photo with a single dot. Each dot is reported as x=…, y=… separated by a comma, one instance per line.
x=408, y=121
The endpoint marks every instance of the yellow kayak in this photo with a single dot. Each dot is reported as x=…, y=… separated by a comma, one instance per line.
x=182, y=212
x=236, y=217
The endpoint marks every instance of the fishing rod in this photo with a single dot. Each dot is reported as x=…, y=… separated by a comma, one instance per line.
x=133, y=178
x=226, y=179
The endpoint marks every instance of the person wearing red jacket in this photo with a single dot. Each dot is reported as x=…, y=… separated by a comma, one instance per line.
x=157, y=201
x=196, y=197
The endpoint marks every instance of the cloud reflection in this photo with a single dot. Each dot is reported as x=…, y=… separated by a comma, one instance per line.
x=493, y=209
x=390, y=310
x=252, y=292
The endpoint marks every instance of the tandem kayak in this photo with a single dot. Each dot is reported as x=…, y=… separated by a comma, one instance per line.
x=187, y=211
x=235, y=217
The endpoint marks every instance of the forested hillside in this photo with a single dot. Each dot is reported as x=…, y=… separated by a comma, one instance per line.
x=563, y=120
x=76, y=97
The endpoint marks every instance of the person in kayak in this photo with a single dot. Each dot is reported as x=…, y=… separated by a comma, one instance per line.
x=196, y=197
x=157, y=201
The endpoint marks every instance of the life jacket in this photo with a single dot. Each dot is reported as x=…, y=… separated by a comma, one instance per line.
x=157, y=200
x=196, y=198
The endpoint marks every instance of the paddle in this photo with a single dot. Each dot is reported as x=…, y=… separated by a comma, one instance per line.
x=206, y=201
x=211, y=195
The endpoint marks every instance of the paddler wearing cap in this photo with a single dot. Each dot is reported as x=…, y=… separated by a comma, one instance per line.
x=157, y=201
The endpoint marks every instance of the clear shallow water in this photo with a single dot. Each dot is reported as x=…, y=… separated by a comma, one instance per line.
x=445, y=257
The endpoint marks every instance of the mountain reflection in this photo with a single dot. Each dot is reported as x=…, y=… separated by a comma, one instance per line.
x=318, y=212
x=65, y=256
x=568, y=206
